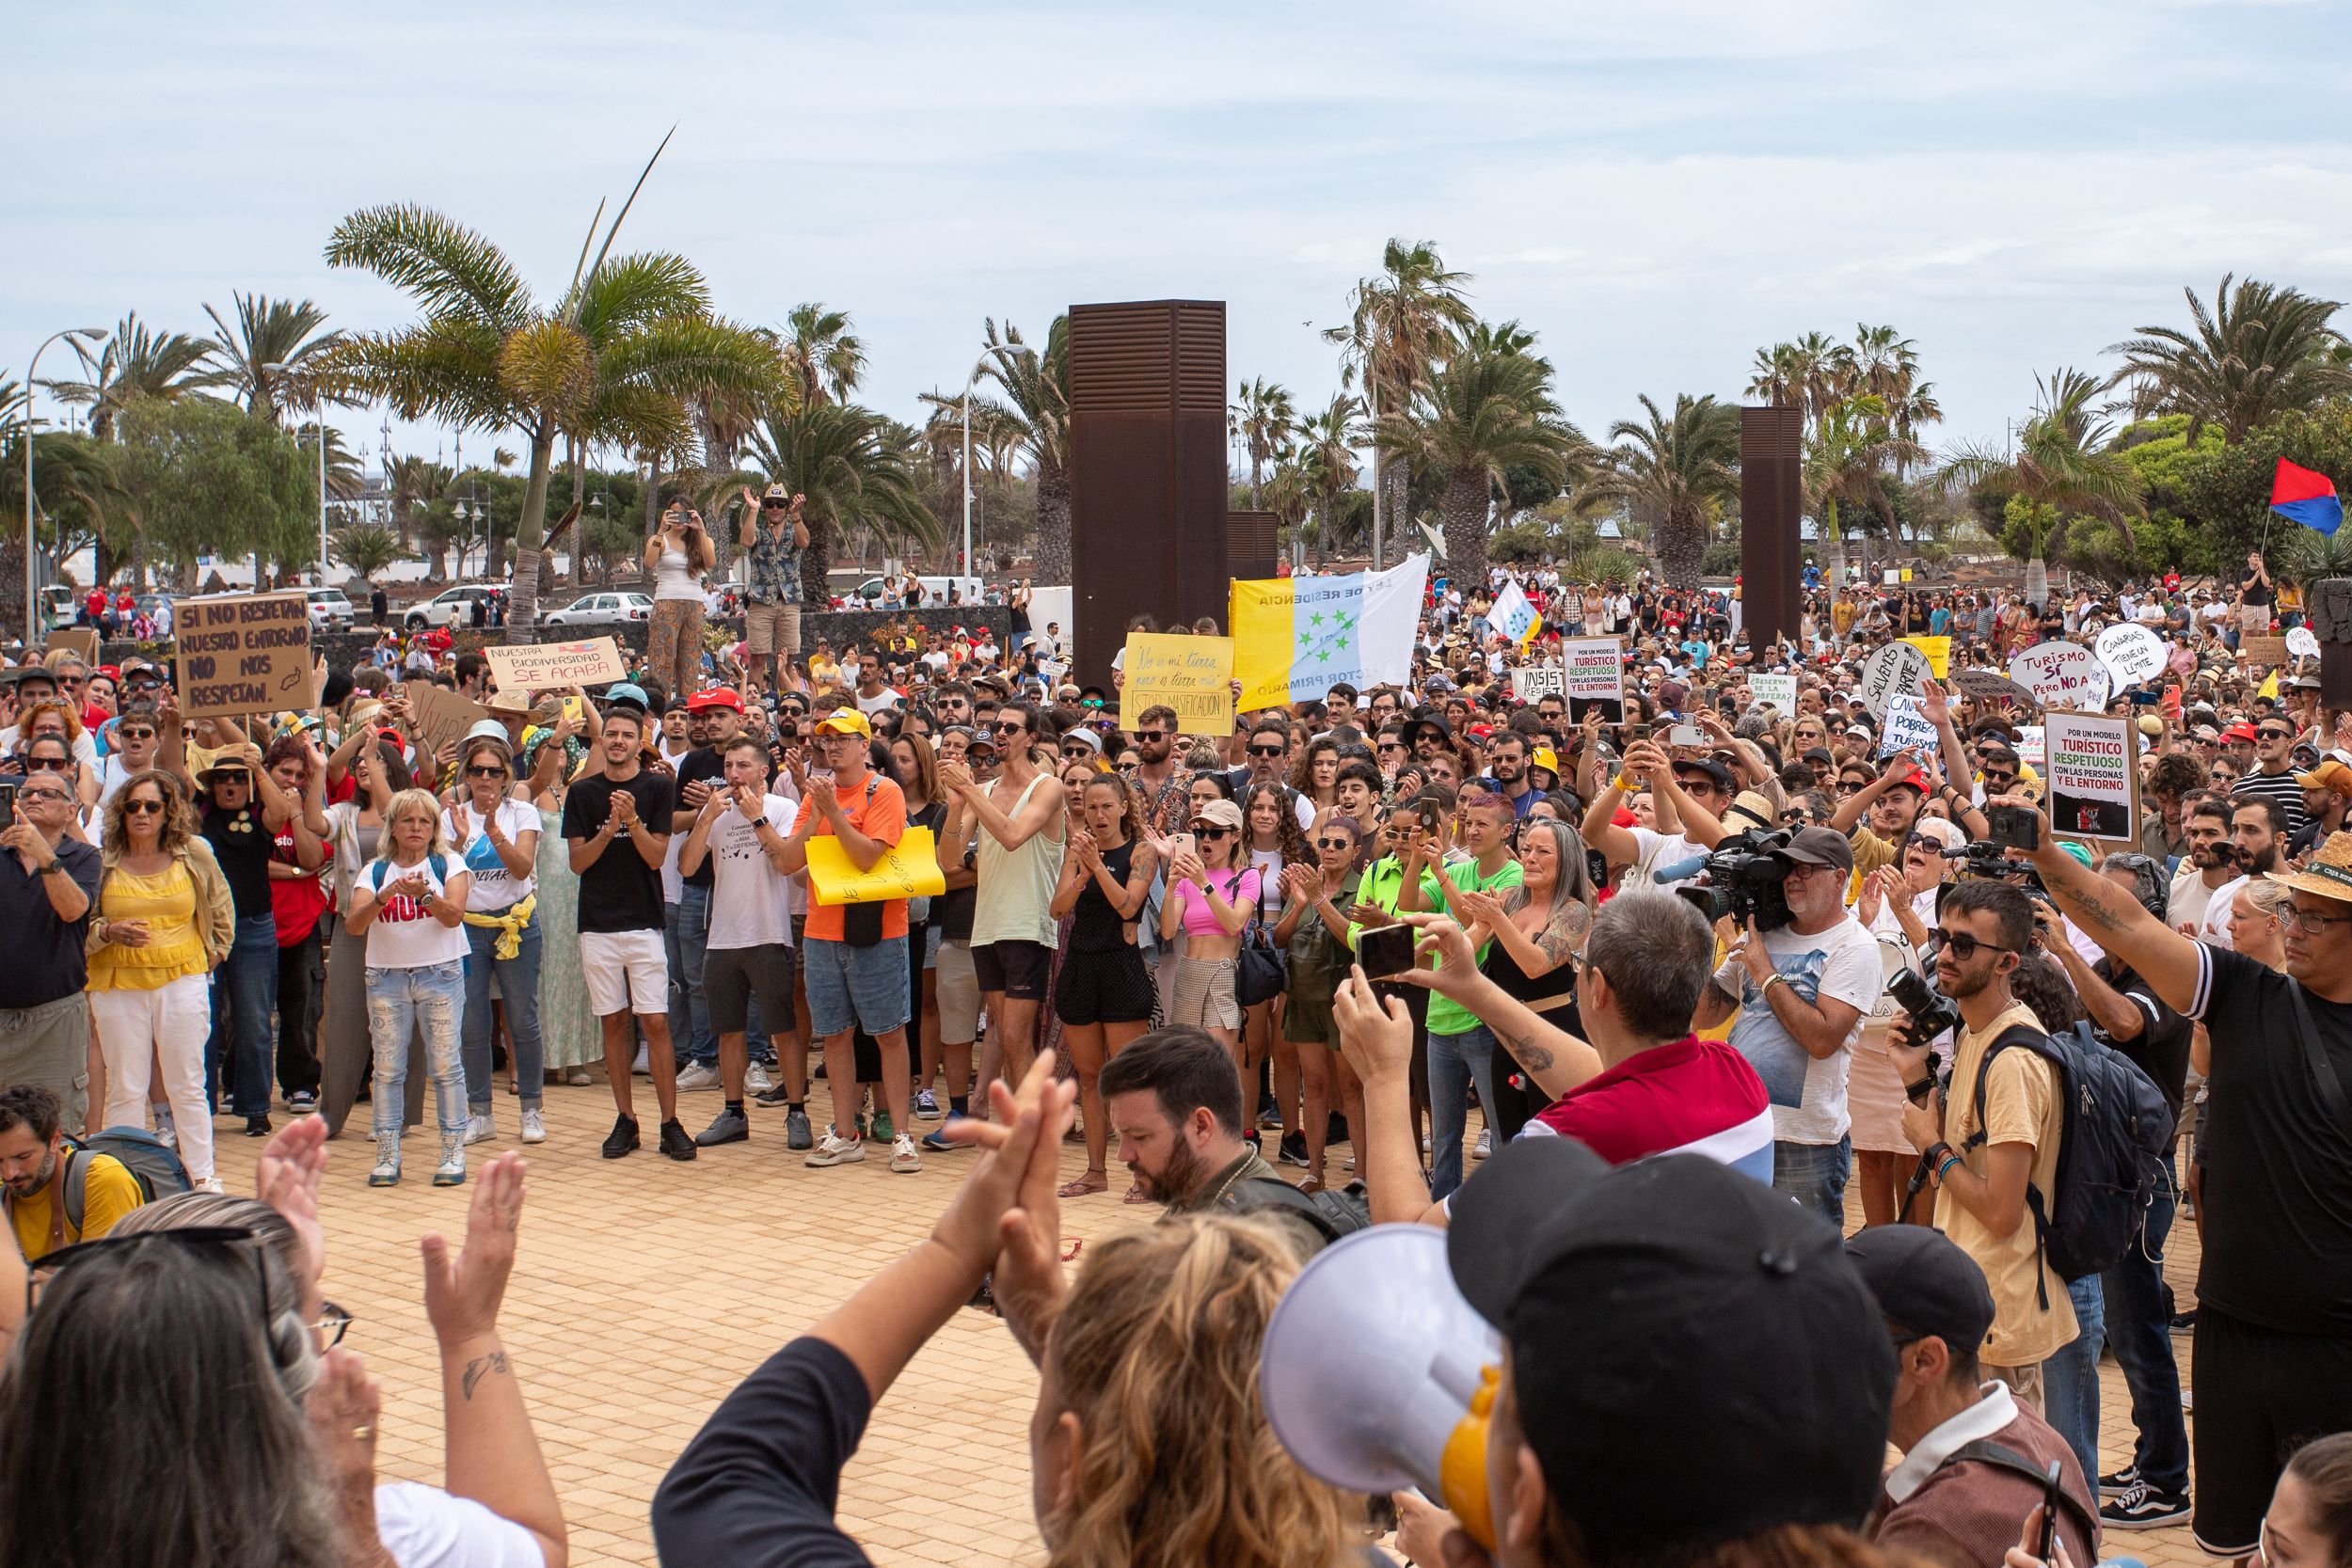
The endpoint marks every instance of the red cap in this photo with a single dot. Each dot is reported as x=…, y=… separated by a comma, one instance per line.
x=1623, y=818
x=1911, y=776
x=714, y=696
x=2240, y=731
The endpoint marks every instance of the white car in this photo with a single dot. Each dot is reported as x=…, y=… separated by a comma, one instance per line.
x=330, y=610
x=600, y=610
x=453, y=607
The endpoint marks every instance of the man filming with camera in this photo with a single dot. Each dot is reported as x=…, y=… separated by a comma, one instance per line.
x=1800, y=990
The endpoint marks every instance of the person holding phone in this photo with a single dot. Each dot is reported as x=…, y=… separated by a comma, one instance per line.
x=675, y=559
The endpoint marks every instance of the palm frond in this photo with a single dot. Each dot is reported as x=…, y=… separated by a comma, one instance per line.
x=450, y=270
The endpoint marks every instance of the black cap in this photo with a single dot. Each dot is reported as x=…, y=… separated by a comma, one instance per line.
x=1708, y=766
x=1497, y=1214
x=1684, y=1320
x=1924, y=1283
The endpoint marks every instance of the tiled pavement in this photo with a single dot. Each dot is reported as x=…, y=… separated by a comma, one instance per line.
x=645, y=1290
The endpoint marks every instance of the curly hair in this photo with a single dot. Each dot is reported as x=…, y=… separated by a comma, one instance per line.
x=25, y=719
x=1291, y=839
x=179, y=817
x=1156, y=1353
x=1130, y=803
x=1303, y=771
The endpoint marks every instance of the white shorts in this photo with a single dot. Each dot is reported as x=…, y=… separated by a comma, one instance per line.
x=627, y=972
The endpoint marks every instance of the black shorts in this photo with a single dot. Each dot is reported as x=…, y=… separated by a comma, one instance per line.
x=1016, y=969
x=731, y=975
x=2261, y=1395
x=1103, y=988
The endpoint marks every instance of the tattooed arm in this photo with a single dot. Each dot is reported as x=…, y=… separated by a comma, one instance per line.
x=2114, y=919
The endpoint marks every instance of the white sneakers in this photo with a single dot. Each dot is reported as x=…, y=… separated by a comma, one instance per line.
x=838, y=1150
x=903, y=1159
x=697, y=1076
x=756, y=1079
x=643, y=1067
x=534, y=1127
x=208, y=1184
x=481, y=1129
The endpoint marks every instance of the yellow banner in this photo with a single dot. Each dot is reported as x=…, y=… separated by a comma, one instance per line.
x=908, y=869
x=1938, y=652
x=1192, y=675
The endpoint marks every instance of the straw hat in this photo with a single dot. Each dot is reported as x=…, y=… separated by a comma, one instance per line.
x=2329, y=874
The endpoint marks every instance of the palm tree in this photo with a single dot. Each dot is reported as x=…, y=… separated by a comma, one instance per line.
x=824, y=357
x=135, y=363
x=1487, y=405
x=610, y=359
x=2260, y=351
x=2065, y=464
x=1851, y=459
x=1327, y=447
x=264, y=355
x=857, y=468
x=365, y=549
x=1262, y=416
x=1037, y=393
x=1677, y=467
x=1399, y=323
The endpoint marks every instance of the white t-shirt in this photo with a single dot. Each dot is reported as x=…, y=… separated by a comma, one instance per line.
x=881, y=701
x=404, y=934
x=494, y=886
x=423, y=1526
x=749, y=906
x=1808, y=1093
x=2207, y=909
x=1657, y=849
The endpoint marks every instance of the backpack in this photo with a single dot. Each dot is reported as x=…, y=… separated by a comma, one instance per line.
x=2114, y=1130
x=154, y=1167
x=375, y=870
x=1323, y=1217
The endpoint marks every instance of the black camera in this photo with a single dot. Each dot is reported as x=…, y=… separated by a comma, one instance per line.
x=1743, y=881
x=1931, y=1011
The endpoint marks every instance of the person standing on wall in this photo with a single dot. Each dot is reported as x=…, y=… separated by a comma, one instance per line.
x=675, y=559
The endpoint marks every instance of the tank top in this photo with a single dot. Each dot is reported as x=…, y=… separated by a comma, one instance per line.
x=1094, y=925
x=1552, y=986
x=167, y=901
x=673, y=575
x=1014, y=898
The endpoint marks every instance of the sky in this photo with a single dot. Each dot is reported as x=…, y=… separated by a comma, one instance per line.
x=1656, y=189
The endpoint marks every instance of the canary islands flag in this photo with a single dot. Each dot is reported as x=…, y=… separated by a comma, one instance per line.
x=1295, y=638
x=2308, y=497
x=1512, y=615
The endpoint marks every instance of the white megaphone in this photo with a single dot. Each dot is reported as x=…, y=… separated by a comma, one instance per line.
x=1378, y=1375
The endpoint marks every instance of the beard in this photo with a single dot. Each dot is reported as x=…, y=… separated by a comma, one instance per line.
x=26, y=1186
x=2262, y=860
x=1176, y=1180
x=2210, y=857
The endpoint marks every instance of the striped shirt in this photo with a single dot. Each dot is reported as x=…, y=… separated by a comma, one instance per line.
x=1691, y=1097
x=2280, y=789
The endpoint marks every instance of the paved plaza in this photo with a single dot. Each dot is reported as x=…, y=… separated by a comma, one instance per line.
x=645, y=1290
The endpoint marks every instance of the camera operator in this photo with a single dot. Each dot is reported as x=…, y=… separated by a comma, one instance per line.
x=1881, y=814
x=1800, y=991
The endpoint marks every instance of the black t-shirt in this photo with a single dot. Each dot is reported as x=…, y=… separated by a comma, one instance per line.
x=2252, y=589
x=2277, y=1187
x=702, y=765
x=620, y=893
x=242, y=843
x=45, y=962
x=2161, y=1051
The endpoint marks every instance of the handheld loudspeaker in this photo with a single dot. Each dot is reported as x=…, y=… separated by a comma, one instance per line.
x=1378, y=1375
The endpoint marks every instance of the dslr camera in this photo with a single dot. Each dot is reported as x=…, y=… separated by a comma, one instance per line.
x=1743, y=881
x=1931, y=1011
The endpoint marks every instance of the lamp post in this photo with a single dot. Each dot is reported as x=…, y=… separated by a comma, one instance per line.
x=32, y=590
x=318, y=415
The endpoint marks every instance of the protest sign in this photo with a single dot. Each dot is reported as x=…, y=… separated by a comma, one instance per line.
x=82, y=642
x=2061, y=675
x=1906, y=727
x=1595, y=677
x=1896, y=667
x=440, y=715
x=908, y=869
x=1990, y=683
x=2262, y=649
x=2302, y=643
x=243, y=652
x=2030, y=748
x=1779, y=691
x=2092, y=777
x=537, y=667
x=1192, y=675
x=1938, y=652
x=1532, y=681
x=2132, y=654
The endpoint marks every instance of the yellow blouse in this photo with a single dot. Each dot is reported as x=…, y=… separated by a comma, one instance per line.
x=167, y=901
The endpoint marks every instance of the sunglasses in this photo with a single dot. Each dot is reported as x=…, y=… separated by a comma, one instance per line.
x=1267, y=750
x=1794, y=816
x=775, y=506
x=2275, y=734
x=1077, y=754
x=134, y=735
x=493, y=771
x=140, y=808
x=1204, y=831
x=1999, y=776
x=1962, y=945
x=1333, y=843
x=47, y=765
x=1012, y=727
x=47, y=1270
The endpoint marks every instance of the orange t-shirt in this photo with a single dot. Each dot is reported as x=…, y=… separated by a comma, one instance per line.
x=879, y=812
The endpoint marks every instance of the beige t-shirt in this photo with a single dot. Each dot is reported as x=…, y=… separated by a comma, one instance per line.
x=2020, y=1106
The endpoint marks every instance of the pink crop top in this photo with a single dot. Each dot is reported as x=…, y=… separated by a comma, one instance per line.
x=1239, y=892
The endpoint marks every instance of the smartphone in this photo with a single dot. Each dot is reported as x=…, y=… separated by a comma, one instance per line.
x=2013, y=827
x=1432, y=815
x=1686, y=735
x=2145, y=699
x=2049, y=1511
x=8, y=805
x=1181, y=845
x=1385, y=950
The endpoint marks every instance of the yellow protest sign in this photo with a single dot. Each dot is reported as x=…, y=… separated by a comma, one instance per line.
x=1906, y=574
x=1938, y=652
x=908, y=869
x=1193, y=675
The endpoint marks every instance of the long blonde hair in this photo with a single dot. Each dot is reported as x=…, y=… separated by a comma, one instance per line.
x=414, y=800
x=1157, y=1351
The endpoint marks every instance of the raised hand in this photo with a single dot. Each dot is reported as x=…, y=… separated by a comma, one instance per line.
x=287, y=1179
x=462, y=1294
x=1375, y=1032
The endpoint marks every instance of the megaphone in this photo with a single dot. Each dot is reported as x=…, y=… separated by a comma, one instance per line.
x=1377, y=1375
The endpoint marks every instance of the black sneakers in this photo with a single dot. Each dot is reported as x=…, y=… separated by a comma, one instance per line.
x=727, y=1127
x=1293, y=1149
x=2140, y=1506
x=777, y=1096
x=674, y=1143
x=623, y=1137
x=257, y=1127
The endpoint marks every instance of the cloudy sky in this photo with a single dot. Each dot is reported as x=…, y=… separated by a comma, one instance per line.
x=1656, y=188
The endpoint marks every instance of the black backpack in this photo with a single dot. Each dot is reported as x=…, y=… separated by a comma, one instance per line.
x=1323, y=1217
x=154, y=1167
x=2114, y=1130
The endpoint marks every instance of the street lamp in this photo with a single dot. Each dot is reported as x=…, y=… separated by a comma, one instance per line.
x=318, y=414
x=32, y=590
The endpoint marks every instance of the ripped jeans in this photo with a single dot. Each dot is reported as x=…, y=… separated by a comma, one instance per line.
x=431, y=1001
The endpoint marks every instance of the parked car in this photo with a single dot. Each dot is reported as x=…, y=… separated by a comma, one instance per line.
x=57, y=606
x=330, y=610
x=600, y=610
x=453, y=607
x=967, y=591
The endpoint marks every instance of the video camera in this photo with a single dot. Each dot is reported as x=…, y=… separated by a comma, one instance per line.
x=1743, y=881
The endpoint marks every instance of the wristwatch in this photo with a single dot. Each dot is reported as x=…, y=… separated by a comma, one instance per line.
x=53, y=868
x=758, y=823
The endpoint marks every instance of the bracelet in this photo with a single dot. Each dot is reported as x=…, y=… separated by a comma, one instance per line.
x=1914, y=1091
x=1766, y=985
x=1945, y=1168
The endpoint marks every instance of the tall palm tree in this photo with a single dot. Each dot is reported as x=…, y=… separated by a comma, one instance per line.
x=1852, y=459
x=1327, y=446
x=1399, y=323
x=269, y=333
x=1486, y=406
x=1037, y=396
x=824, y=357
x=1262, y=418
x=2261, y=351
x=2065, y=466
x=345, y=480
x=1677, y=467
x=857, y=468
x=135, y=363
x=610, y=359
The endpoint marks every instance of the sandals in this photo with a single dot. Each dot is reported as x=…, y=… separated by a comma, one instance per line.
x=1135, y=1194
x=1312, y=1185
x=1091, y=1182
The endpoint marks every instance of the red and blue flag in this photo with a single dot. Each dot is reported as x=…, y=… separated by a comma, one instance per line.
x=2308, y=497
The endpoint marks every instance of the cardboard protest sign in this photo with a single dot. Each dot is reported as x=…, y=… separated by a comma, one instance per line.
x=2093, y=777
x=528, y=667
x=1595, y=677
x=1906, y=727
x=440, y=715
x=2133, y=655
x=1192, y=675
x=2302, y=643
x=1938, y=652
x=2061, y=675
x=2262, y=649
x=82, y=642
x=1779, y=691
x=243, y=652
x=1531, y=681
x=1990, y=683
x=1896, y=667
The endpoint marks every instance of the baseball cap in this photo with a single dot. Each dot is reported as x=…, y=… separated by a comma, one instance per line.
x=2330, y=774
x=846, y=720
x=2240, y=731
x=1924, y=1283
x=1709, y=766
x=1680, y=1318
x=714, y=696
x=1087, y=737
x=1222, y=814
x=627, y=695
x=1911, y=777
x=1819, y=846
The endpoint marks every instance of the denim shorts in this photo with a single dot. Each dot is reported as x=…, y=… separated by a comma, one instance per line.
x=860, y=987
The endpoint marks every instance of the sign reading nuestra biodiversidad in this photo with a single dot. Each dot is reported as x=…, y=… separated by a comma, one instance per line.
x=243, y=652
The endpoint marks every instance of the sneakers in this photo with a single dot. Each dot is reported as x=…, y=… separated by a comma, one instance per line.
x=534, y=1127
x=674, y=1143
x=797, y=1132
x=643, y=1066
x=903, y=1159
x=727, y=1127
x=1269, y=1114
x=387, y=1171
x=2140, y=1506
x=166, y=1133
x=302, y=1103
x=622, y=1138
x=1485, y=1144
x=936, y=1139
x=450, y=1172
x=698, y=1076
x=882, y=1128
x=208, y=1184
x=838, y=1150
x=1293, y=1149
x=2115, y=1480
x=927, y=1105
x=756, y=1079
x=480, y=1129
x=775, y=1095
x=257, y=1127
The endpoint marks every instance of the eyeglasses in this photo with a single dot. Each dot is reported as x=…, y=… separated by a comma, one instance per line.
x=134, y=735
x=1012, y=727
x=493, y=771
x=1962, y=945
x=141, y=808
x=2293, y=916
x=334, y=1322
x=30, y=794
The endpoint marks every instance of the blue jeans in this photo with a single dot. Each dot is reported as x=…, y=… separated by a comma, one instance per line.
x=1455, y=1061
x=405, y=1001
x=518, y=988
x=686, y=937
x=2139, y=1331
x=861, y=987
x=1814, y=1175
x=2070, y=1379
x=245, y=989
